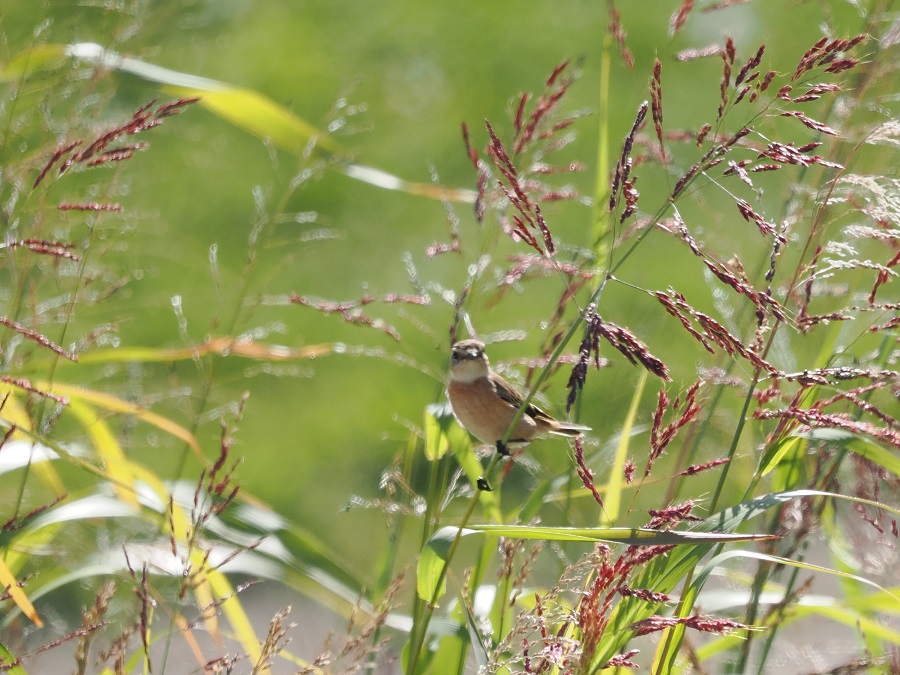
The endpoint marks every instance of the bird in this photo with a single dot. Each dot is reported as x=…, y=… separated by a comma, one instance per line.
x=485, y=404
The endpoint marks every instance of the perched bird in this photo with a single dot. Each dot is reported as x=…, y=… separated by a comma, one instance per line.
x=485, y=403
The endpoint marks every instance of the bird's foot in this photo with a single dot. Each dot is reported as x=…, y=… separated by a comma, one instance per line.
x=502, y=449
x=483, y=485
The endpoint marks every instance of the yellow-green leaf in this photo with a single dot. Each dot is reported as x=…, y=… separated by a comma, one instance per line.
x=443, y=433
x=117, y=405
x=116, y=464
x=8, y=581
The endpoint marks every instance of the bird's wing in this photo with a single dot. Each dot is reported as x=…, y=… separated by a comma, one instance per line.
x=508, y=393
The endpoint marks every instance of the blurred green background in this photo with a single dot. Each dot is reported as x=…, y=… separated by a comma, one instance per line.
x=393, y=80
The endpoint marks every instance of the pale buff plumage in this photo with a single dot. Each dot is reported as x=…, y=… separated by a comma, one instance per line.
x=485, y=404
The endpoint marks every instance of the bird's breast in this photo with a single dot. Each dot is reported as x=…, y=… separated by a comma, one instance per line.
x=484, y=414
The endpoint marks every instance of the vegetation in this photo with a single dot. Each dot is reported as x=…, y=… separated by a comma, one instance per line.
x=707, y=278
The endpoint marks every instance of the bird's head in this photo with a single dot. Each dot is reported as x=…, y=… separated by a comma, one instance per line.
x=468, y=362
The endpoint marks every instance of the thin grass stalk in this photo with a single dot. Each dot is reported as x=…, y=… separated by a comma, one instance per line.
x=601, y=215
x=791, y=288
x=763, y=570
x=672, y=638
x=593, y=300
x=417, y=641
x=230, y=326
x=390, y=561
x=884, y=353
x=487, y=555
x=437, y=486
x=53, y=362
x=690, y=446
x=694, y=442
x=207, y=381
x=430, y=522
x=775, y=622
x=670, y=644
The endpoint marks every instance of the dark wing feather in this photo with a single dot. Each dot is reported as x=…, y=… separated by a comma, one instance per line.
x=508, y=393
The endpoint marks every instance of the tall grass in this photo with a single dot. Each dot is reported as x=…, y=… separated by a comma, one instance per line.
x=757, y=455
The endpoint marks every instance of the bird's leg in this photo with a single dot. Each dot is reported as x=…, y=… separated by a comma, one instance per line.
x=502, y=449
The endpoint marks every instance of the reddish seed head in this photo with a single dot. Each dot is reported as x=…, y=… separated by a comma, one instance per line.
x=92, y=206
x=701, y=135
x=680, y=17
x=59, y=249
x=752, y=63
x=622, y=660
x=809, y=122
x=694, y=469
x=692, y=54
x=703, y=624
x=520, y=112
x=584, y=473
x=628, y=345
x=38, y=338
x=53, y=159
x=350, y=311
x=470, y=149
x=551, y=80
x=623, y=166
x=615, y=29
x=656, y=107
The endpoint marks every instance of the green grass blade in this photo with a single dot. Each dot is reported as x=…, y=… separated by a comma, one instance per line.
x=618, y=535
x=431, y=582
x=244, y=108
x=6, y=658
x=612, y=499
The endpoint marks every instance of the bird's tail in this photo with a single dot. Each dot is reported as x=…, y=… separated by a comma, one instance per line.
x=567, y=429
